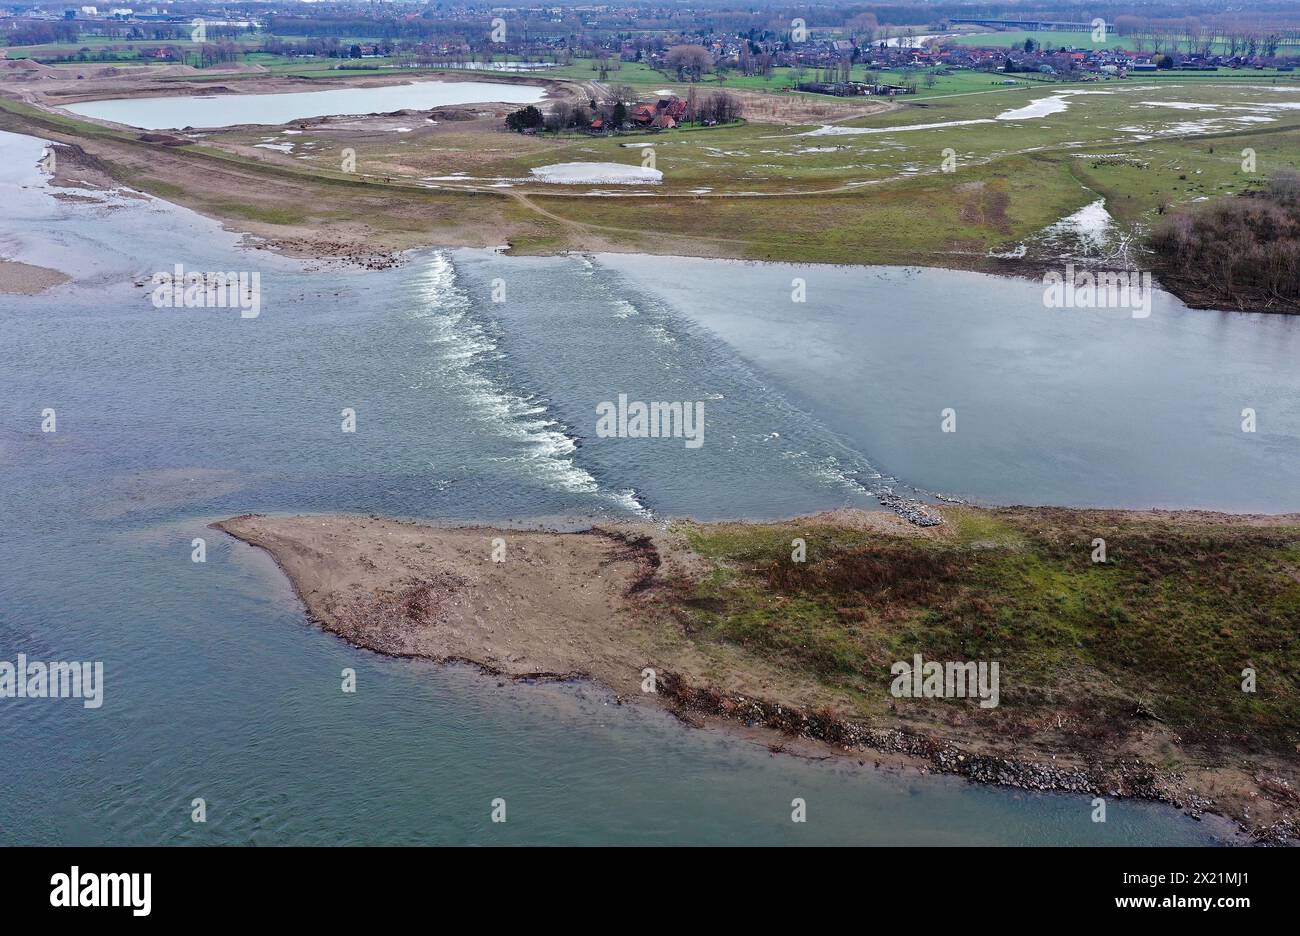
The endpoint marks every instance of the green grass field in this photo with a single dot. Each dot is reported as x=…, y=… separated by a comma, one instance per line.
x=1144, y=146
x=869, y=189
x=1054, y=39
x=1112, y=118
x=1161, y=624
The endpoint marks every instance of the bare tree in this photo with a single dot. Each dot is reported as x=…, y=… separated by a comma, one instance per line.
x=691, y=61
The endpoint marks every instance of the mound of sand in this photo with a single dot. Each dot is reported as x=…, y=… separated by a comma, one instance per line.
x=25, y=70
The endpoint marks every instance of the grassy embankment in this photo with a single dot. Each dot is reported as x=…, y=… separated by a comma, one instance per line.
x=1160, y=632
x=844, y=228
x=284, y=201
x=846, y=199
x=1012, y=177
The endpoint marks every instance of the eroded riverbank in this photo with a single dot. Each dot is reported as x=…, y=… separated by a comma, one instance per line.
x=723, y=638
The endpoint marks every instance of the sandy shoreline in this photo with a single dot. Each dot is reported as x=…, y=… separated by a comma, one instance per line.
x=26, y=279
x=602, y=605
x=391, y=587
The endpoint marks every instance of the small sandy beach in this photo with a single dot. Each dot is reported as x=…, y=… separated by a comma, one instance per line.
x=25, y=279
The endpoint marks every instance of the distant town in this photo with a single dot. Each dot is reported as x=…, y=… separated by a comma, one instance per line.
x=819, y=48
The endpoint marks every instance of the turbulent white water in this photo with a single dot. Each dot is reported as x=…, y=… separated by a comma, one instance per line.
x=468, y=359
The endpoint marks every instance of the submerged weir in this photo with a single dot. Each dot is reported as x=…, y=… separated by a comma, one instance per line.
x=470, y=410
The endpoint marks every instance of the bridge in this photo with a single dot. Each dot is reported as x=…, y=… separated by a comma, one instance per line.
x=1028, y=25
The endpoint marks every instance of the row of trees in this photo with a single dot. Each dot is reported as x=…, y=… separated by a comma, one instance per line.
x=39, y=32
x=66, y=32
x=1189, y=36
x=324, y=47
x=719, y=107
x=216, y=53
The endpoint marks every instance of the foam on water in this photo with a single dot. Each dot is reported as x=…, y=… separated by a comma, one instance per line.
x=469, y=351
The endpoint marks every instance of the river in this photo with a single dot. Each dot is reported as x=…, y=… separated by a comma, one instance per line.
x=216, y=687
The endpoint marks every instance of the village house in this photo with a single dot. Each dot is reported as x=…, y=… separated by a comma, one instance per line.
x=664, y=114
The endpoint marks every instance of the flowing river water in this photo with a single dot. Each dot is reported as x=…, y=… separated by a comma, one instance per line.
x=474, y=410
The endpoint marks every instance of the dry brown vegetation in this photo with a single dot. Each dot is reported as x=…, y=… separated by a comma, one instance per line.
x=1242, y=250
